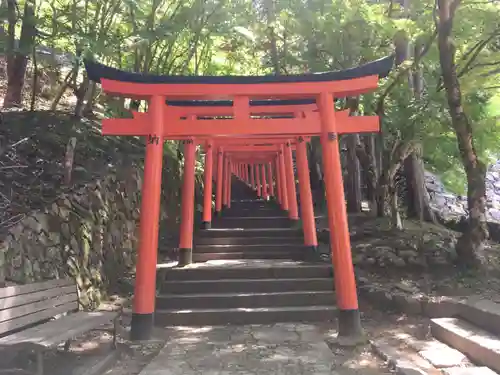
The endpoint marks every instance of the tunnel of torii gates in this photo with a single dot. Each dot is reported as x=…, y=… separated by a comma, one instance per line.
x=252, y=123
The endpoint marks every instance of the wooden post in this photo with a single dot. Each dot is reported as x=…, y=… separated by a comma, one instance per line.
x=293, y=211
x=145, y=277
x=265, y=194
x=283, y=181
x=270, y=178
x=252, y=177
x=345, y=284
x=207, y=189
x=278, y=181
x=220, y=182
x=306, y=202
x=229, y=183
x=187, y=205
x=257, y=180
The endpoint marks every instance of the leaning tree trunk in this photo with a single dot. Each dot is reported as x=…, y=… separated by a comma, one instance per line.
x=418, y=196
x=80, y=97
x=17, y=59
x=353, y=193
x=353, y=181
x=418, y=200
x=90, y=97
x=472, y=241
x=365, y=151
x=316, y=172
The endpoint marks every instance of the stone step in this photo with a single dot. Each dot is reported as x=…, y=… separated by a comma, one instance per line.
x=439, y=354
x=468, y=371
x=292, y=255
x=247, y=240
x=400, y=359
x=482, y=313
x=250, y=232
x=269, y=315
x=255, y=270
x=480, y=346
x=252, y=222
x=246, y=286
x=242, y=214
x=407, y=354
x=244, y=300
x=245, y=248
x=259, y=213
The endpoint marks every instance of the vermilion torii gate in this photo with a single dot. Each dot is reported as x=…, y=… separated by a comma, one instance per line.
x=182, y=107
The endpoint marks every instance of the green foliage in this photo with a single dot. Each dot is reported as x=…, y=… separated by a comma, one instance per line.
x=224, y=37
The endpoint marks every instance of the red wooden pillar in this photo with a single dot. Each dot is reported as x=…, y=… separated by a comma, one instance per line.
x=225, y=193
x=229, y=183
x=278, y=181
x=257, y=180
x=270, y=178
x=145, y=277
x=220, y=182
x=283, y=182
x=187, y=205
x=345, y=284
x=265, y=195
x=207, y=189
x=252, y=176
x=245, y=173
x=306, y=202
x=293, y=211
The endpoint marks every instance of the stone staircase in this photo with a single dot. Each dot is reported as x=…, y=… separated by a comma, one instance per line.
x=250, y=268
x=465, y=343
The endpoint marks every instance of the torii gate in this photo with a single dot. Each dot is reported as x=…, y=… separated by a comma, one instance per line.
x=172, y=114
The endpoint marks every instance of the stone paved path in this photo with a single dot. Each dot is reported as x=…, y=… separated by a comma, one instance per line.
x=279, y=349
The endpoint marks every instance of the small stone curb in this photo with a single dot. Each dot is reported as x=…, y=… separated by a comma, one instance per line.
x=396, y=361
x=411, y=304
x=104, y=364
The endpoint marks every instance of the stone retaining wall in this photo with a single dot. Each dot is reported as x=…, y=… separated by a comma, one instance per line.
x=90, y=235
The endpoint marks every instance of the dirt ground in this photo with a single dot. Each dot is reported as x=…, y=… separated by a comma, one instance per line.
x=420, y=258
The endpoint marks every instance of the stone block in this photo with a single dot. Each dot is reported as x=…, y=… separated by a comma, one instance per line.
x=440, y=308
x=444, y=356
x=480, y=346
x=404, y=362
x=468, y=371
x=408, y=304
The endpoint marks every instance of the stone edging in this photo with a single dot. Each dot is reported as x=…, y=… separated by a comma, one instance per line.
x=408, y=303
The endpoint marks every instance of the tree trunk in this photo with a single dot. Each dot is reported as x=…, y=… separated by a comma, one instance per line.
x=16, y=70
x=81, y=93
x=34, y=85
x=418, y=197
x=17, y=59
x=393, y=199
x=271, y=18
x=61, y=90
x=353, y=191
x=68, y=160
x=353, y=175
x=472, y=241
x=365, y=152
x=316, y=173
x=89, y=99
